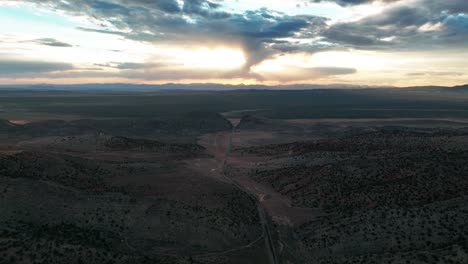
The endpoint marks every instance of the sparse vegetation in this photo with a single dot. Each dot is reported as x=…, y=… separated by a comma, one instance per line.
x=143, y=180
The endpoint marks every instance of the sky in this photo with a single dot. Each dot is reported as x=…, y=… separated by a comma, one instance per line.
x=271, y=42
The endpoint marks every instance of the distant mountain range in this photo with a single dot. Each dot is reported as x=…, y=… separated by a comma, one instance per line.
x=212, y=87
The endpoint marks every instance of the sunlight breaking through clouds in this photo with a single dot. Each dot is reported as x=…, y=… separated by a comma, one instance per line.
x=236, y=41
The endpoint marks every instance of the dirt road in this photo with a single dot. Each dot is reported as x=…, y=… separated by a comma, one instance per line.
x=220, y=145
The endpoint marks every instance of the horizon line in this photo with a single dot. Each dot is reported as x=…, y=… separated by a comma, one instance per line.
x=316, y=86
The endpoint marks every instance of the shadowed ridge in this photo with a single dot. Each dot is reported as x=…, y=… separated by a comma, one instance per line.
x=65, y=170
x=125, y=144
x=461, y=88
x=192, y=124
x=251, y=122
x=7, y=125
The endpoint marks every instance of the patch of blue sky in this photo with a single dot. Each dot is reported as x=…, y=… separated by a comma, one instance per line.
x=34, y=15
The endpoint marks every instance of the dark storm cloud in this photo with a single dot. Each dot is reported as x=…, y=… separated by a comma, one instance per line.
x=203, y=8
x=400, y=16
x=424, y=24
x=264, y=33
x=12, y=68
x=451, y=6
x=256, y=34
x=369, y=32
x=195, y=22
x=124, y=8
x=52, y=42
x=170, y=6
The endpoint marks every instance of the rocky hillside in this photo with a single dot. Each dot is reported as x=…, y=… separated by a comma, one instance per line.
x=391, y=194
x=188, y=125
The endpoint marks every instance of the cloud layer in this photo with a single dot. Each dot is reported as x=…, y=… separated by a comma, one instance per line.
x=52, y=42
x=258, y=32
x=262, y=34
x=14, y=68
x=422, y=24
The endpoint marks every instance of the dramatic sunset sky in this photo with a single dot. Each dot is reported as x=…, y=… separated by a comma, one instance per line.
x=370, y=42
